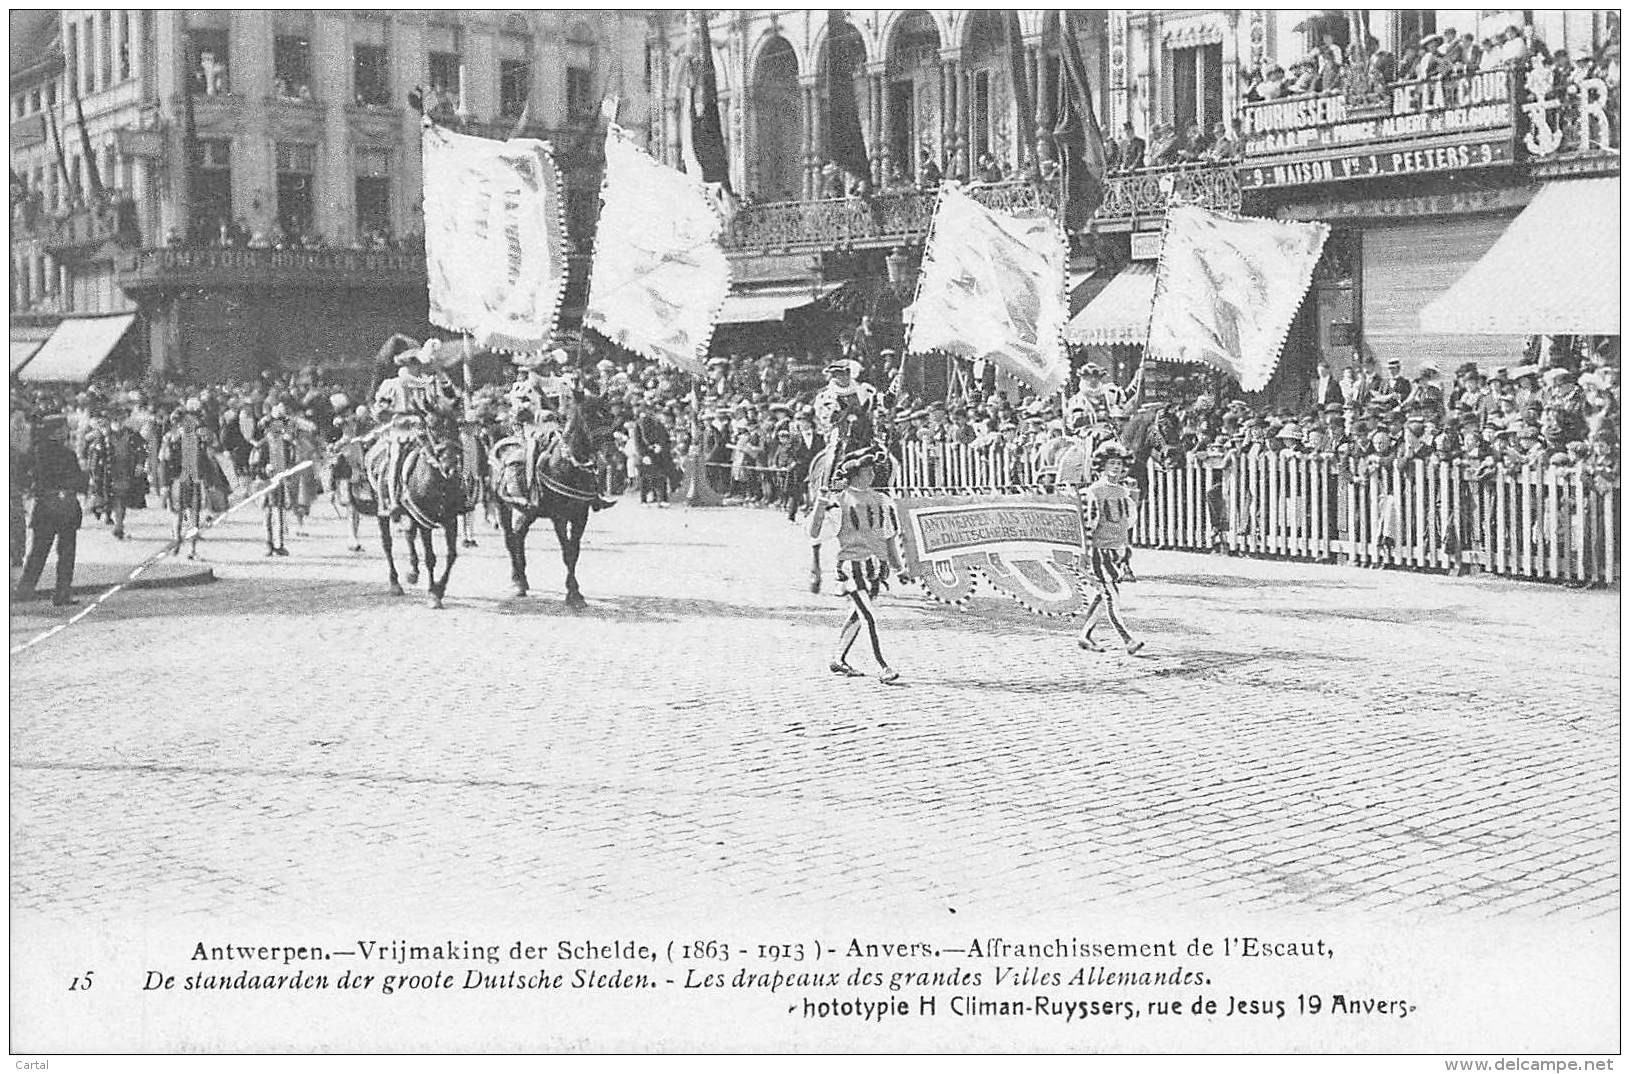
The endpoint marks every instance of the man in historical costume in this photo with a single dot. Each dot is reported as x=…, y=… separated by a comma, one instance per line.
x=190, y=471
x=275, y=452
x=418, y=401
x=474, y=444
x=1109, y=508
x=1095, y=396
x=116, y=456
x=845, y=410
x=534, y=402
x=58, y=484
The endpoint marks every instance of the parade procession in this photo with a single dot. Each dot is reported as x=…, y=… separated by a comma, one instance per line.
x=1001, y=463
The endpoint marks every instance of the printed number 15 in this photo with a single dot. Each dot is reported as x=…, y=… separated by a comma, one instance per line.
x=82, y=983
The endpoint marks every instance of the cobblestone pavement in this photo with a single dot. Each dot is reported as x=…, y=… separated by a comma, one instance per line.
x=1294, y=737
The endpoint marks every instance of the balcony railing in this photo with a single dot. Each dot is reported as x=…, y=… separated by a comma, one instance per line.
x=235, y=267
x=1146, y=194
x=881, y=220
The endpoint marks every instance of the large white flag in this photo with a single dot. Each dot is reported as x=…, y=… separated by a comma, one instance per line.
x=495, y=247
x=1227, y=289
x=659, y=275
x=992, y=288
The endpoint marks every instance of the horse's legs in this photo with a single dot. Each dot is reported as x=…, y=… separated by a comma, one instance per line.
x=569, y=531
x=390, y=559
x=449, y=529
x=426, y=534
x=413, y=555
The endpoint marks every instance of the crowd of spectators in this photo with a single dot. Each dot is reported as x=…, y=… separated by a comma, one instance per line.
x=753, y=419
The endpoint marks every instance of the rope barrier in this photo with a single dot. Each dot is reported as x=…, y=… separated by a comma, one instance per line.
x=273, y=482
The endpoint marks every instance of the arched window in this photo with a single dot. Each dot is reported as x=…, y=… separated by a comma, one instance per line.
x=779, y=122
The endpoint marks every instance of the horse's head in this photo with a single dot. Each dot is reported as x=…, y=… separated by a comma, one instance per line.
x=590, y=424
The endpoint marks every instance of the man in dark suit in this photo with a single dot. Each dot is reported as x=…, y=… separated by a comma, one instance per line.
x=1131, y=148
x=1325, y=385
x=58, y=484
x=653, y=444
x=806, y=445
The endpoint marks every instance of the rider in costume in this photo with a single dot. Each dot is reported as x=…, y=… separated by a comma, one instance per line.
x=410, y=405
x=846, y=409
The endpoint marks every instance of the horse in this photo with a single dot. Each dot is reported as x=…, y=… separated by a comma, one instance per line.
x=430, y=496
x=559, y=480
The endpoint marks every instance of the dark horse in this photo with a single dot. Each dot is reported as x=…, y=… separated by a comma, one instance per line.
x=431, y=497
x=559, y=479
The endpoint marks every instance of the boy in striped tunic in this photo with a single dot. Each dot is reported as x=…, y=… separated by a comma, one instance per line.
x=1108, y=508
x=868, y=549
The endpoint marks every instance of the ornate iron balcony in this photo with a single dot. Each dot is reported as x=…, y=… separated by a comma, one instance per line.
x=1145, y=194
x=886, y=219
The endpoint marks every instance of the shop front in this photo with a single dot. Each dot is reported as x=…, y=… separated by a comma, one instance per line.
x=1418, y=182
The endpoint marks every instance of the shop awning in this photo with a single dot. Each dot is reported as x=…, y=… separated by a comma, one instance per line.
x=1120, y=313
x=751, y=305
x=77, y=348
x=22, y=349
x=1555, y=270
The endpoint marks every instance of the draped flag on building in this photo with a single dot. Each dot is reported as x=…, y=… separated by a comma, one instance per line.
x=659, y=275
x=495, y=245
x=1018, y=74
x=1227, y=289
x=706, y=128
x=992, y=288
x=1027, y=548
x=1076, y=134
x=845, y=144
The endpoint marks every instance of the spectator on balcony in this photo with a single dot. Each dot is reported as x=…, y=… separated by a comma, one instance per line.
x=1272, y=87
x=1165, y=143
x=1427, y=62
x=1305, y=77
x=928, y=173
x=1131, y=148
x=1383, y=67
x=1471, y=55
x=1328, y=76
x=1513, y=47
x=1196, y=144
x=1228, y=143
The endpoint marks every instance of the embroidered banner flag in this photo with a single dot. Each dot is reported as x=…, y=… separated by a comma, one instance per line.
x=1227, y=289
x=1027, y=548
x=992, y=288
x=495, y=247
x=659, y=275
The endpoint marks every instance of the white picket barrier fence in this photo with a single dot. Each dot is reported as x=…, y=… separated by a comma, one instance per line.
x=1553, y=524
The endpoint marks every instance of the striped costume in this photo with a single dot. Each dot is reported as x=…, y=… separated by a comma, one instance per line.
x=1108, y=509
x=868, y=529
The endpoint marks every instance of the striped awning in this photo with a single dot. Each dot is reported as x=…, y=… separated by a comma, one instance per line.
x=77, y=349
x=1120, y=313
x=1554, y=272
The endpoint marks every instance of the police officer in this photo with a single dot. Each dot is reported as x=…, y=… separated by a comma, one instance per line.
x=58, y=483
